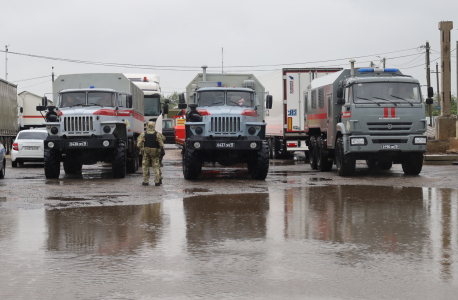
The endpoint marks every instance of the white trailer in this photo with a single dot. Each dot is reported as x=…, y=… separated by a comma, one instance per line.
x=8, y=113
x=285, y=121
x=150, y=84
x=28, y=116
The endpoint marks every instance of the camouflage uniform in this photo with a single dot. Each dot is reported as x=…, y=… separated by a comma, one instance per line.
x=151, y=155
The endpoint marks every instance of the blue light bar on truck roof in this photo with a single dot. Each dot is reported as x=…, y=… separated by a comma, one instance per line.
x=377, y=70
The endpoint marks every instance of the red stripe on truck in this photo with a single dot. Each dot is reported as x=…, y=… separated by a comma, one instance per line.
x=385, y=112
x=318, y=116
x=393, y=112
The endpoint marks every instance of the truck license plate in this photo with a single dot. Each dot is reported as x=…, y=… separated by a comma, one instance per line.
x=225, y=145
x=30, y=148
x=390, y=147
x=77, y=144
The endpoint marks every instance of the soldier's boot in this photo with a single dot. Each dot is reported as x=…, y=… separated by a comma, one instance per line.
x=160, y=181
x=157, y=184
x=144, y=183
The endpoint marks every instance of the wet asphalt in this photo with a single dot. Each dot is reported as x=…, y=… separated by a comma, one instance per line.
x=299, y=234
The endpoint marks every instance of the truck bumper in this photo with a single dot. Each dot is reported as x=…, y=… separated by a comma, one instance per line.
x=375, y=144
x=80, y=143
x=204, y=143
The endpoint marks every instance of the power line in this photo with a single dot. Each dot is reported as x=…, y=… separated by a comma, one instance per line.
x=35, y=84
x=31, y=78
x=174, y=68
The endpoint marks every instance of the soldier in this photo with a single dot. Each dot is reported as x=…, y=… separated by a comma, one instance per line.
x=150, y=143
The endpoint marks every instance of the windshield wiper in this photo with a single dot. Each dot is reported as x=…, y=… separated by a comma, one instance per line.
x=94, y=104
x=402, y=99
x=369, y=100
x=386, y=100
x=75, y=105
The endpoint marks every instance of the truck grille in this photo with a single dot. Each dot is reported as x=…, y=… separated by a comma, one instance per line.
x=391, y=126
x=225, y=124
x=78, y=124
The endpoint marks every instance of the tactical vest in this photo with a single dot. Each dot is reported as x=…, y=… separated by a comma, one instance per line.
x=151, y=140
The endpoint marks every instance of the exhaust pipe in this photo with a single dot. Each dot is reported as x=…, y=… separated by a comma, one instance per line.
x=352, y=63
x=204, y=74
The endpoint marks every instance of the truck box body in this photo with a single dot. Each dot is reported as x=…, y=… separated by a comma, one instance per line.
x=30, y=117
x=116, y=81
x=8, y=113
x=285, y=121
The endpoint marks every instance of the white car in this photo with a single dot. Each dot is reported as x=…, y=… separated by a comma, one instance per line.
x=28, y=147
x=2, y=161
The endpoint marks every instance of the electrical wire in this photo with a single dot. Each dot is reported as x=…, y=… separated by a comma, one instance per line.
x=34, y=84
x=14, y=81
x=174, y=68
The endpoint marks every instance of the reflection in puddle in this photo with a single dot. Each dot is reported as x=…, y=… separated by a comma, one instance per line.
x=320, y=179
x=391, y=239
x=195, y=190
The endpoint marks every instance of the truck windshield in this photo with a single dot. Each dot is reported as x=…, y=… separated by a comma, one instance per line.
x=386, y=92
x=240, y=99
x=72, y=99
x=211, y=98
x=101, y=98
x=152, y=105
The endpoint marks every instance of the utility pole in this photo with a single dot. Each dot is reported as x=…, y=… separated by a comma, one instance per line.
x=428, y=82
x=438, y=90
x=445, y=123
x=384, y=60
x=6, y=62
x=52, y=77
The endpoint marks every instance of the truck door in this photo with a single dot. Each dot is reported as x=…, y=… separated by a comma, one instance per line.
x=293, y=103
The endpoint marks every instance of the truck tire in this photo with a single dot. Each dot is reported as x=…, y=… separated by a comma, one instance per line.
x=72, y=167
x=259, y=166
x=312, y=156
x=192, y=165
x=271, y=149
x=412, y=163
x=132, y=163
x=386, y=165
x=3, y=169
x=118, y=165
x=345, y=163
x=322, y=162
x=52, y=164
x=14, y=164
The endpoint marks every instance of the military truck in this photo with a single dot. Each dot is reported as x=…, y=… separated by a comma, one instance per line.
x=376, y=115
x=97, y=118
x=8, y=114
x=225, y=123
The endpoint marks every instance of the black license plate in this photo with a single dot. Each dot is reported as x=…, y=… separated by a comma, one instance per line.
x=225, y=145
x=77, y=144
x=390, y=147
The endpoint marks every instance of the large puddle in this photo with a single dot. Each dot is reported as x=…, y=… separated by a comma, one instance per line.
x=326, y=242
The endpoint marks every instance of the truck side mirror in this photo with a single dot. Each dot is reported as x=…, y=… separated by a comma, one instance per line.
x=166, y=100
x=430, y=92
x=182, y=105
x=166, y=108
x=21, y=109
x=44, y=101
x=429, y=101
x=340, y=101
x=181, y=98
x=340, y=93
x=269, y=100
x=129, y=101
x=41, y=108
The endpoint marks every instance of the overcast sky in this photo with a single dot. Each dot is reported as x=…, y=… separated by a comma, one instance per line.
x=192, y=33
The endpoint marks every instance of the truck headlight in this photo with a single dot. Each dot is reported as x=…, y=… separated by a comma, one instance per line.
x=251, y=130
x=419, y=141
x=197, y=145
x=106, y=129
x=106, y=143
x=199, y=130
x=357, y=141
x=50, y=144
x=253, y=145
x=54, y=130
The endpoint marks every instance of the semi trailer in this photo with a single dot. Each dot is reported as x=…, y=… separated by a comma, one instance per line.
x=8, y=114
x=285, y=130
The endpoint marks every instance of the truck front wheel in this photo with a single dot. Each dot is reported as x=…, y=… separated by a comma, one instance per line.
x=345, y=163
x=52, y=164
x=259, y=165
x=192, y=165
x=118, y=165
x=412, y=163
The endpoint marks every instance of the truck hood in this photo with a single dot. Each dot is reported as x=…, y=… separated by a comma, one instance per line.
x=78, y=110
